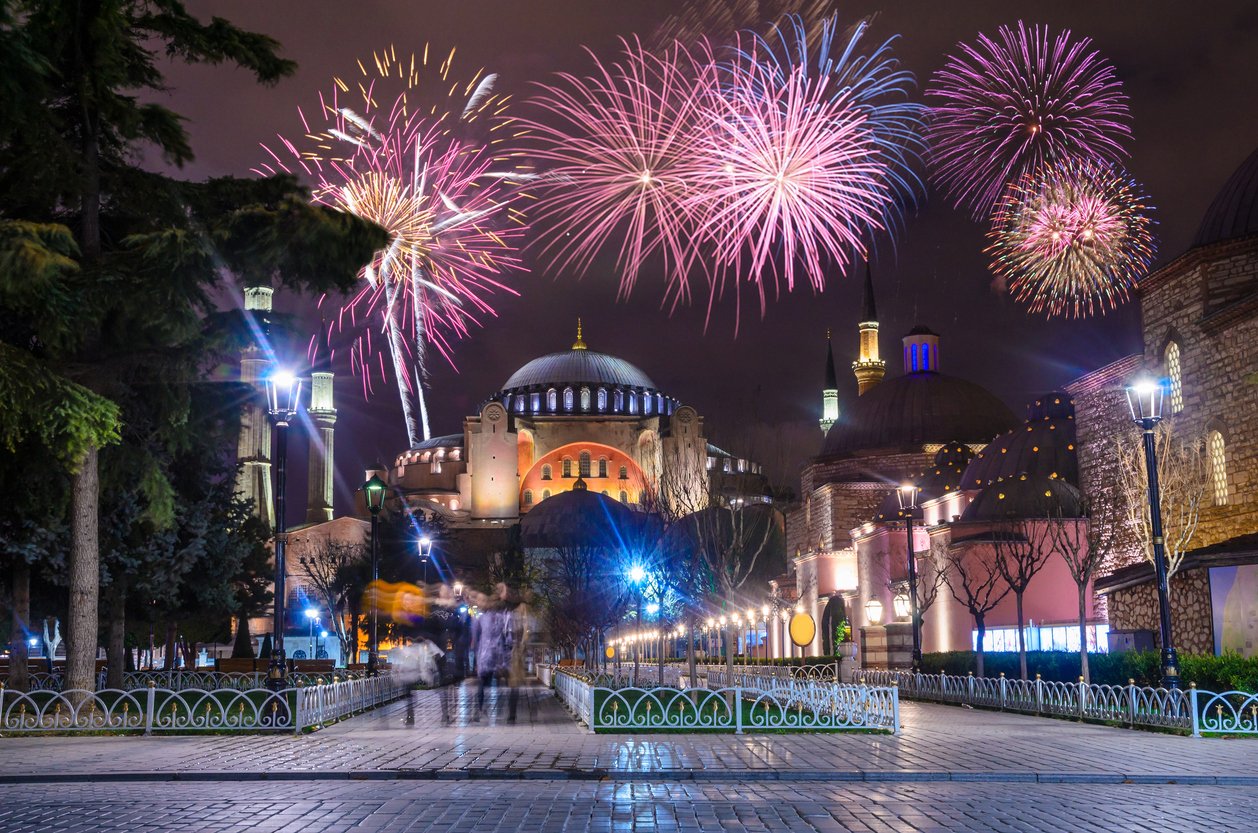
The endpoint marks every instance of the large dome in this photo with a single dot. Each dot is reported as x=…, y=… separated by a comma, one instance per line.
x=915, y=410
x=1234, y=212
x=577, y=367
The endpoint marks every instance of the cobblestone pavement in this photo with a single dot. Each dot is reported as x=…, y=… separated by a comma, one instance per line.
x=555, y=806
x=937, y=742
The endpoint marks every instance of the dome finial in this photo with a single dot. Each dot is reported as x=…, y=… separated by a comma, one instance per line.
x=579, y=344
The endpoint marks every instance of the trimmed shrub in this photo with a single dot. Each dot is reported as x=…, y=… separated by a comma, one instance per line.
x=1224, y=673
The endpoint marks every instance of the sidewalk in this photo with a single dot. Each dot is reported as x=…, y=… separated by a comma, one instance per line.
x=938, y=743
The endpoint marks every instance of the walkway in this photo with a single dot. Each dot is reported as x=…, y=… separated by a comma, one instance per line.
x=937, y=743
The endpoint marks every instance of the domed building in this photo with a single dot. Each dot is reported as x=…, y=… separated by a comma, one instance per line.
x=575, y=415
x=895, y=429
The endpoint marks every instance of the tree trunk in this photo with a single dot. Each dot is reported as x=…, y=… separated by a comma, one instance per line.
x=1021, y=637
x=168, y=657
x=84, y=575
x=116, y=641
x=19, y=671
x=243, y=648
x=1083, y=634
x=690, y=647
x=980, y=624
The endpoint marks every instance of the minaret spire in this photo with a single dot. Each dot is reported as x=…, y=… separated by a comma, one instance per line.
x=869, y=368
x=579, y=344
x=830, y=393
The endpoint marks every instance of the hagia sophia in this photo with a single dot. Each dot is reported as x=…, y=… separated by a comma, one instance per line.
x=579, y=418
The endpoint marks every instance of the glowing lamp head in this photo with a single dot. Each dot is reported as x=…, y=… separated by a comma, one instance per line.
x=323, y=634
x=374, y=491
x=637, y=574
x=32, y=642
x=907, y=494
x=900, y=604
x=711, y=623
x=764, y=610
x=283, y=394
x=653, y=608
x=873, y=611
x=311, y=613
x=1144, y=398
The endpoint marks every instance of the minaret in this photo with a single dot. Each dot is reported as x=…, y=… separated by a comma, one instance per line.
x=323, y=418
x=830, y=393
x=253, y=480
x=869, y=369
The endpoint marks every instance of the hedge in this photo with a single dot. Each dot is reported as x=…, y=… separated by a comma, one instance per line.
x=1230, y=672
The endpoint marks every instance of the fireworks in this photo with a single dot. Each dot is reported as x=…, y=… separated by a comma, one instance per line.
x=707, y=19
x=615, y=152
x=789, y=176
x=761, y=167
x=1018, y=103
x=1072, y=242
x=417, y=153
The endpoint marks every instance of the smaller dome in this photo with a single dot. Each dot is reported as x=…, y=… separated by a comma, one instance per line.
x=1026, y=496
x=1234, y=212
x=579, y=518
x=1044, y=445
x=921, y=330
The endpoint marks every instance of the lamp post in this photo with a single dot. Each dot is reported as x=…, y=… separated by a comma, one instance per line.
x=1144, y=398
x=312, y=616
x=637, y=577
x=425, y=552
x=373, y=491
x=283, y=398
x=764, y=614
x=907, y=494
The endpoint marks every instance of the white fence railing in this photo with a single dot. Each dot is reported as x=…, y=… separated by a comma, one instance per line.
x=153, y=709
x=1191, y=709
x=771, y=703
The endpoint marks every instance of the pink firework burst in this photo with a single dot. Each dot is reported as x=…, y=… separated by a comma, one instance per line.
x=789, y=176
x=428, y=169
x=1072, y=241
x=1010, y=105
x=614, y=147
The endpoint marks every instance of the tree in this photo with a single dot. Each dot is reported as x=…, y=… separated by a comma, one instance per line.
x=1182, y=479
x=1086, y=543
x=151, y=248
x=976, y=583
x=1022, y=547
x=331, y=569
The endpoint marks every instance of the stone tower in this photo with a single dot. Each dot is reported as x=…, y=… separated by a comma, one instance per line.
x=869, y=368
x=830, y=393
x=323, y=423
x=253, y=480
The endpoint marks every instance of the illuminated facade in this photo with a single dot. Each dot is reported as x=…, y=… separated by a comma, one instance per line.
x=572, y=414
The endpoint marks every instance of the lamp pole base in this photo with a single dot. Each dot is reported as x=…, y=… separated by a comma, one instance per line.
x=1170, y=668
x=277, y=672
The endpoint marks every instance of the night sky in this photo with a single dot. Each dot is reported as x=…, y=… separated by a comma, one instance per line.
x=1188, y=68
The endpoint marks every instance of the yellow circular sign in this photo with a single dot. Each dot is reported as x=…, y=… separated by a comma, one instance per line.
x=609, y=652
x=803, y=629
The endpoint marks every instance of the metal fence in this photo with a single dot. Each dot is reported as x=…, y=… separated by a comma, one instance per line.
x=772, y=704
x=1191, y=709
x=154, y=709
x=179, y=680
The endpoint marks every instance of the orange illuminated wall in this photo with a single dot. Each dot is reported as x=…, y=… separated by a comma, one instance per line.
x=535, y=483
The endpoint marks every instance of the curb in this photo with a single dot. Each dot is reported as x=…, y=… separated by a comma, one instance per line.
x=671, y=775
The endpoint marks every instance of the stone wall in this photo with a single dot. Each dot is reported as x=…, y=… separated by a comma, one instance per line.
x=1192, y=621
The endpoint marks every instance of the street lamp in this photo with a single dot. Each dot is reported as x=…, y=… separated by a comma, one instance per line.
x=873, y=611
x=312, y=616
x=283, y=398
x=907, y=493
x=1144, y=398
x=425, y=550
x=374, y=491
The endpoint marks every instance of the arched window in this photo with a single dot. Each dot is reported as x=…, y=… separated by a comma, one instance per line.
x=602, y=399
x=1175, y=374
x=624, y=472
x=1218, y=467
x=552, y=400
x=546, y=494
x=913, y=356
x=624, y=496
x=546, y=472
x=605, y=493
x=925, y=357
x=618, y=401
x=519, y=404
x=585, y=399
x=536, y=400
x=602, y=466
x=646, y=403
x=585, y=464
x=633, y=403
x=567, y=399
x=528, y=497
x=567, y=467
